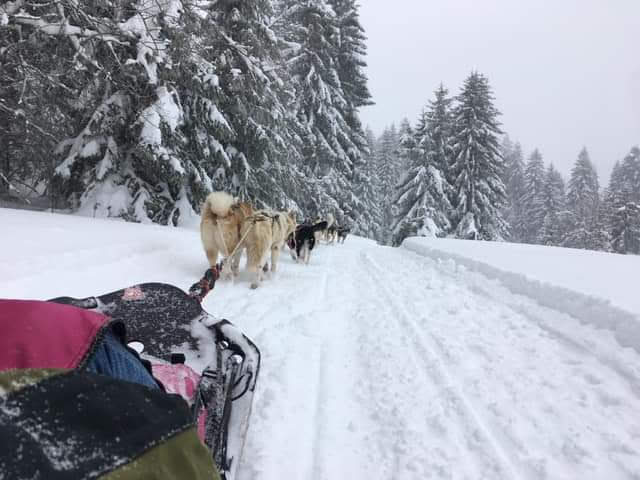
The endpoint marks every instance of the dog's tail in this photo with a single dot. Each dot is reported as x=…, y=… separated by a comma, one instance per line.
x=218, y=203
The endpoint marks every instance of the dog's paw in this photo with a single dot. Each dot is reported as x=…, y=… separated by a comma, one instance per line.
x=253, y=286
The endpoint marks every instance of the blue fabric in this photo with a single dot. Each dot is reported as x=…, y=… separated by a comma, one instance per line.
x=112, y=358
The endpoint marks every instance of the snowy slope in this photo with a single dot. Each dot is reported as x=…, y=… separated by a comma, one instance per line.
x=377, y=362
x=601, y=275
x=597, y=288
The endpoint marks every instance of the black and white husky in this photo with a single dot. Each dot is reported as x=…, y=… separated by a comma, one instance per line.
x=303, y=240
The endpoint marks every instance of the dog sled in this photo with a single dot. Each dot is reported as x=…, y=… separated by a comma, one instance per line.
x=92, y=425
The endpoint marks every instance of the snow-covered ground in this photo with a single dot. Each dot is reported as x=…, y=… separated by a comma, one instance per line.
x=412, y=363
x=604, y=276
x=597, y=288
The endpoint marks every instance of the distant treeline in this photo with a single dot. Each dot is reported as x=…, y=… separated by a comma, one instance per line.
x=458, y=180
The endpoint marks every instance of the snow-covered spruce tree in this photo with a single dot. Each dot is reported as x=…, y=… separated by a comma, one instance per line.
x=439, y=149
x=209, y=135
x=622, y=202
x=388, y=160
x=246, y=56
x=422, y=196
x=311, y=31
x=366, y=189
x=514, y=181
x=51, y=78
x=406, y=145
x=119, y=117
x=553, y=201
x=601, y=237
x=583, y=198
x=351, y=62
x=30, y=66
x=408, y=153
x=477, y=165
x=533, y=199
x=351, y=50
x=611, y=199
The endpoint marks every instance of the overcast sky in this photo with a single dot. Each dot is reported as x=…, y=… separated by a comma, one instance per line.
x=565, y=73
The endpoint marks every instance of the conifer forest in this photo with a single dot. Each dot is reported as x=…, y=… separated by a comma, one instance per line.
x=138, y=109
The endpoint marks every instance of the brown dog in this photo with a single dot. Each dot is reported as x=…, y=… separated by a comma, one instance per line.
x=266, y=232
x=221, y=227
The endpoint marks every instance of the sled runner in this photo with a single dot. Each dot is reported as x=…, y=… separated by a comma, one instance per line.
x=221, y=363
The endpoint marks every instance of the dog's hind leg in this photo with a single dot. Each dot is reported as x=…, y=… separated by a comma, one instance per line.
x=256, y=260
x=275, y=254
x=212, y=256
x=253, y=265
x=255, y=269
x=299, y=252
x=235, y=262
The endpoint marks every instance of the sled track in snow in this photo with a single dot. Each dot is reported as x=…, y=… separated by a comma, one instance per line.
x=289, y=341
x=436, y=369
x=319, y=415
x=543, y=399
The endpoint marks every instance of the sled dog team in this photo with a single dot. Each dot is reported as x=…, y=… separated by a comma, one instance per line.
x=228, y=227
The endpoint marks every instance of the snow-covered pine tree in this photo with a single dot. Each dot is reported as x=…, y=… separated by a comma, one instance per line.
x=368, y=224
x=422, y=196
x=533, y=199
x=439, y=151
x=121, y=158
x=515, y=190
x=206, y=130
x=114, y=105
x=351, y=50
x=311, y=31
x=409, y=150
x=406, y=147
x=387, y=166
x=601, y=236
x=477, y=164
x=245, y=53
x=583, y=198
x=30, y=67
x=611, y=199
x=553, y=200
x=622, y=202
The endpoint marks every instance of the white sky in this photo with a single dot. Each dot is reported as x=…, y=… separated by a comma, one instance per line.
x=565, y=73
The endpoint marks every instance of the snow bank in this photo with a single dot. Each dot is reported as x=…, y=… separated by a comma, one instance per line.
x=44, y=255
x=594, y=287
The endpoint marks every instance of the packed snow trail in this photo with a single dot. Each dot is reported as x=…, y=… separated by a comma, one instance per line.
x=382, y=363
x=377, y=362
